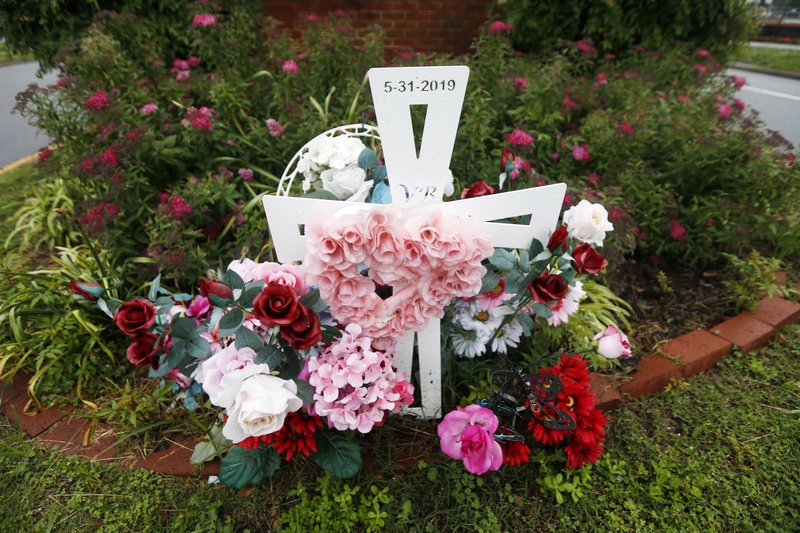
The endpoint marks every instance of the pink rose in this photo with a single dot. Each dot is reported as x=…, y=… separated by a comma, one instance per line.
x=467, y=434
x=217, y=366
x=612, y=343
x=199, y=307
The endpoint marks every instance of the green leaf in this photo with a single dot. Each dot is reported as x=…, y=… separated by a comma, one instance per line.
x=490, y=280
x=337, y=453
x=181, y=297
x=542, y=310
x=304, y=391
x=503, y=259
x=367, y=159
x=203, y=452
x=247, y=339
x=231, y=322
x=526, y=322
x=244, y=468
x=322, y=194
x=379, y=175
x=182, y=327
x=310, y=298
x=269, y=355
x=536, y=248
x=251, y=290
x=198, y=347
x=233, y=280
x=107, y=306
x=219, y=302
x=154, y=285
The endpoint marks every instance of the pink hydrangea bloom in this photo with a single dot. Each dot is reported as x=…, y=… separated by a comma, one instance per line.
x=467, y=434
x=290, y=67
x=204, y=20
x=354, y=384
x=97, y=101
x=499, y=26
x=274, y=127
x=580, y=152
x=519, y=138
x=148, y=108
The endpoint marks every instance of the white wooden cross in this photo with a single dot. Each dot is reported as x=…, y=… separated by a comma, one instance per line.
x=420, y=181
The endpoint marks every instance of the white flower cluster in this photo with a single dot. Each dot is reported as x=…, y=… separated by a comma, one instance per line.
x=481, y=324
x=331, y=163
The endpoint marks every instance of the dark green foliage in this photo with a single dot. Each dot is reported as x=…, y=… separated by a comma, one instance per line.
x=614, y=26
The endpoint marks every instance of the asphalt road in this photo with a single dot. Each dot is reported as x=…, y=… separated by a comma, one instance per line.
x=17, y=138
x=776, y=99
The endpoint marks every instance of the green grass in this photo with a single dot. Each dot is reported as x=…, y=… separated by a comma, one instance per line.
x=7, y=56
x=718, y=452
x=788, y=60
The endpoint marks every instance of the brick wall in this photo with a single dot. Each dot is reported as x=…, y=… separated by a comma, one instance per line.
x=409, y=25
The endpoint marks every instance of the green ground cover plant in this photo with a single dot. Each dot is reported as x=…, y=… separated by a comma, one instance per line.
x=716, y=452
x=788, y=60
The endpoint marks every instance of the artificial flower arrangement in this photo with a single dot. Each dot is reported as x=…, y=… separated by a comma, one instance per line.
x=298, y=359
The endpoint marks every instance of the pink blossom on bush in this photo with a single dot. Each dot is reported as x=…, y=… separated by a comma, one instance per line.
x=625, y=128
x=44, y=154
x=610, y=56
x=602, y=78
x=97, y=101
x=148, y=108
x=580, y=152
x=738, y=82
x=567, y=200
x=109, y=158
x=192, y=61
x=677, y=231
x=98, y=216
x=593, y=178
x=519, y=138
x=204, y=20
x=615, y=214
x=724, y=110
x=499, y=26
x=87, y=165
x=245, y=173
x=568, y=103
x=199, y=119
x=275, y=128
x=700, y=68
x=312, y=17
x=555, y=157
x=175, y=207
x=520, y=83
x=702, y=53
x=467, y=434
x=586, y=48
x=290, y=67
x=739, y=104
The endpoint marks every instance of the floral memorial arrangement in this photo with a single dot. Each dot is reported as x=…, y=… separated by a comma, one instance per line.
x=299, y=359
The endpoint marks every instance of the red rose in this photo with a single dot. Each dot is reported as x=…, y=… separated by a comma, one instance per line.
x=505, y=158
x=212, y=286
x=90, y=291
x=276, y=305
x=304, y=332
x=135, y=317
x=586, y=259
x=478, y=189
x=558, y=238
x=548, y=287
x=142, y=350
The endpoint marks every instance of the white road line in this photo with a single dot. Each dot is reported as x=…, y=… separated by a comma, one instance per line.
x=771, y=93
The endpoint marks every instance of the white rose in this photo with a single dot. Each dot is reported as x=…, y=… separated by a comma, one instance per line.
x=347, y=184
x=588, y=222
x=220, y=364
x=345, y=151
x=259, y=405
x=612, y=343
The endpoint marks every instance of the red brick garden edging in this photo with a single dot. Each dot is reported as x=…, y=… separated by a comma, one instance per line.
x=679, y=358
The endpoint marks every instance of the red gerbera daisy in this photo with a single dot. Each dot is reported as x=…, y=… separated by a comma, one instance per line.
x=579, y=454
x=515, y=453
x=575, y=368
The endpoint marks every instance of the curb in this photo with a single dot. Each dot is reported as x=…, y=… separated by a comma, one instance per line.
x=766, y=70
x=679, y=358
x=19, y=163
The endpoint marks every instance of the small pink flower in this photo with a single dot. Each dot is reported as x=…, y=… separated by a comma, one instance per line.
x=580, y=152
x=109, y=158
x=602, y=78
x=520, y=83
x=97, y=101
x=567, y=200
x=610, y=56
x=275, y=128
x=724, y=110
x=593, y=178
x=467, y=434
x=700, y=68
x=677, y=231
x=738, y=82
x=702, y=53
x=44, y=154
x=312, y=17
x=615, y=214
x=739, y=104
x=612, y=343
x=555, y=157
x=625, y=128
x=499, y=26
x=568, y=103
x=586, y=48
x=182, y=381
x=148, y=108
x=204, y=20
x=246, y=174
x=682, y=98
x=290, y=67
x=199, y=307
x=192, y=61
x=519, y=138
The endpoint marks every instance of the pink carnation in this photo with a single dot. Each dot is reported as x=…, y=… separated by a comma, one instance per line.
x=519, y=138
x=467, y=434
x=204, y=20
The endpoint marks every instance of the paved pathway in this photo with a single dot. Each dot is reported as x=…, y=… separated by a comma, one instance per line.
x=776, y=99
x=17, y=137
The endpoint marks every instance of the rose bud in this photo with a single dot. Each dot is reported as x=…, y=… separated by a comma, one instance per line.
x=480, y=188
x=612, y=343
x=558, y=238
x=135, y=317
x=304, y=332
x=89, y=291
x=586, y=259
x=142, y=350
x=506, y=158
x=548, y=287
x=215, y=287
x=276, y=305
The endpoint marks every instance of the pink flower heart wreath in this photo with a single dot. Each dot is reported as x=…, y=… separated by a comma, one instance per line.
x=427, y=259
